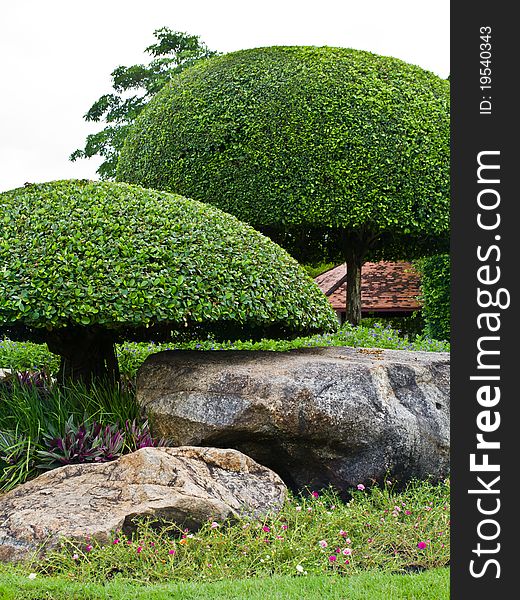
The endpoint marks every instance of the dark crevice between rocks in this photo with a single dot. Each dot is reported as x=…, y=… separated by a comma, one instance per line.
x=158, y=518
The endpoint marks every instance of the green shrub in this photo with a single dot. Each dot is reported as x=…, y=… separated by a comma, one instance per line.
x=27, y=356
x=335, y=153
x=121, y=257
x=300, y=136
x=132, y=354
x=435, y=291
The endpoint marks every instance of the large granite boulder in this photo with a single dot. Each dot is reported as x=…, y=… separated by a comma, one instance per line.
x=185, y=485
x=316, y=416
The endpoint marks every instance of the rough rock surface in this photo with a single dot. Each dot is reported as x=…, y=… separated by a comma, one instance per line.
x=316, y=416
x=186, y=485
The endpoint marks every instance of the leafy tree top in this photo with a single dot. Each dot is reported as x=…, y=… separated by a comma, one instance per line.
x=133, y=87
x=303, y=138
x=142, y=264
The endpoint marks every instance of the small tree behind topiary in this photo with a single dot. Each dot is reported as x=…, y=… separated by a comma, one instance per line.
x=84, y=265
x=337, y=154
x=132, y=88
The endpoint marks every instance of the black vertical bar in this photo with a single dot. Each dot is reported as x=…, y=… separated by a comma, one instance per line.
x=484, y=132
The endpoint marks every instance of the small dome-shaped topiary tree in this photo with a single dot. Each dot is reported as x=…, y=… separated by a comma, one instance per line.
x=334, y=153
x=86, y=264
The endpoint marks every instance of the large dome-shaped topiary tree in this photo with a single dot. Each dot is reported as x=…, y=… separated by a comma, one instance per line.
x=335, y=153
x=84, y=265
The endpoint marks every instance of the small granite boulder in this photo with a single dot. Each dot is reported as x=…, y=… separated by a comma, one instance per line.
x=185, y=485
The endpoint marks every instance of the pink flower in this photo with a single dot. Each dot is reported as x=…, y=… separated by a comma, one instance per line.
x=88, y=548
x=407, y=512
x=75, y=557
x=266, y=529
x=333, y=558
x=116, y=541
x=139, y=549
x=279, y=537
x=422, y=545
x=370, y=540
x=347, y=551
x=214, y=525
x=323, y=543
x=315, y=495
x=284, y=527
x=360, y=487
x=298, y=508
x=427, y=508
x=347, y=562
x=171, y=551
x=342, y=533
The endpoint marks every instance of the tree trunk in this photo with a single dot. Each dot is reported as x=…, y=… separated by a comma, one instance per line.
x=354, y=262
x=87, y=356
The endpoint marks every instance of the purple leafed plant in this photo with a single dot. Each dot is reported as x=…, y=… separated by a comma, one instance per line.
x=138, y=436
x=94, y=443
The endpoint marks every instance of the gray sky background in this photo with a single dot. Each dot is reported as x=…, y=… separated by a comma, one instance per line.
x=56, y=57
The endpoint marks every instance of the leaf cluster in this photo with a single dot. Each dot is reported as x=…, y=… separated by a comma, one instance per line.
x=308, y=144
x=93, y=442
x=142, y=263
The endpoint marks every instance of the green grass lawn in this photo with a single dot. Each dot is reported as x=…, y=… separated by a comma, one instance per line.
x=428, y=585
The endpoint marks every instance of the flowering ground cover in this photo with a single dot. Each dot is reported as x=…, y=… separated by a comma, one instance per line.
x=383, y=543
x=380, y=528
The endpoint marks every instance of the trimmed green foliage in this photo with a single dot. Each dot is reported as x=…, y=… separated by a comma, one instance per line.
x=141, y=263
x=435, y=290
x=306, y=144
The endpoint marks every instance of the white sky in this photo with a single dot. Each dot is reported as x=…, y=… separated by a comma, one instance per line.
x=56, y=57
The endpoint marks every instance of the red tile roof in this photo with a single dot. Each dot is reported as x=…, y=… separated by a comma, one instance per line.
x=386, y=287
